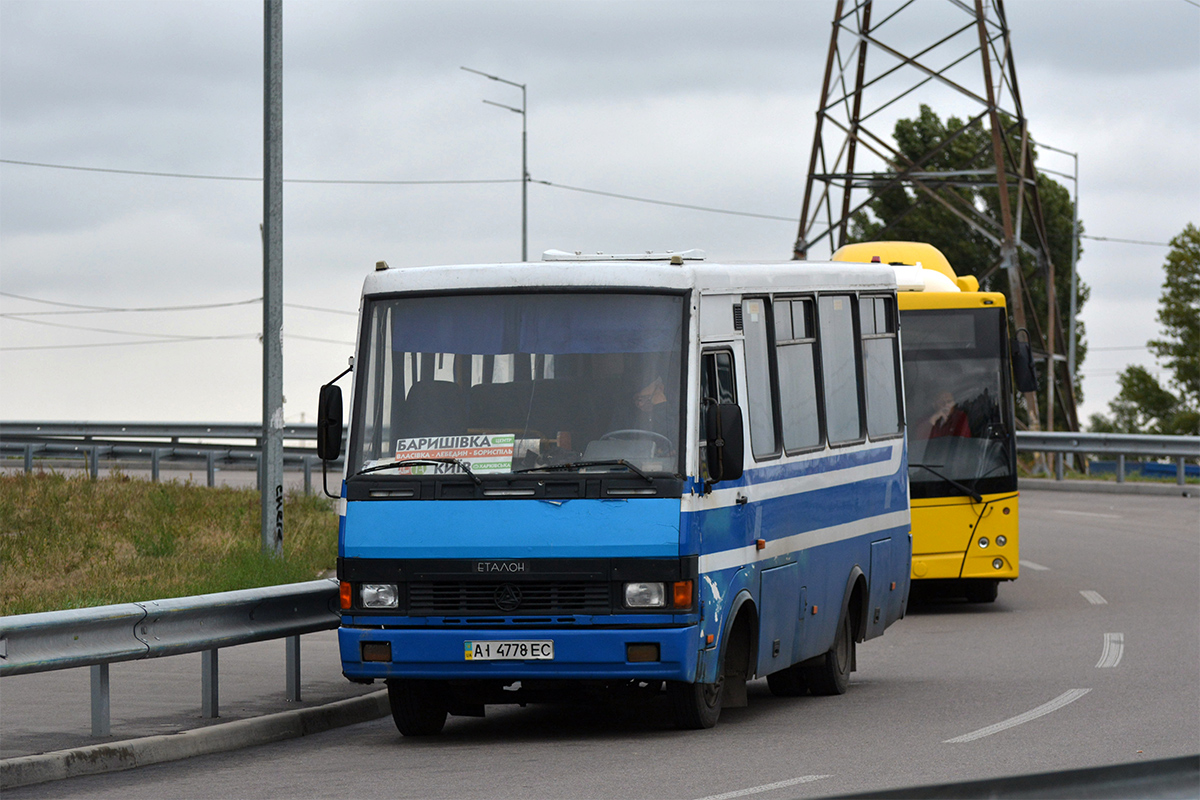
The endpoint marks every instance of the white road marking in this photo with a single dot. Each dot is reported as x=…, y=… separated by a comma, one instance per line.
x=1035, y=567
x=1114, y=648
x=1066, y=698
x=767, y=787
x=1087, y=514
x=1093, y=597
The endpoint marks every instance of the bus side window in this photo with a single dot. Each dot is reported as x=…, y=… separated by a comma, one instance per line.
x=839, y=368
x=795, y=353
x=760, y=396
x=880, y=347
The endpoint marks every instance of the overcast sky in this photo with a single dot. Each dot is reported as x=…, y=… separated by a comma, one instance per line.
x=702, y=103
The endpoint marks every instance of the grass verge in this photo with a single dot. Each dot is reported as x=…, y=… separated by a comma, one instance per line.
x=73, y=542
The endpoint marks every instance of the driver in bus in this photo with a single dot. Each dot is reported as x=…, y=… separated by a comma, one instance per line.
x=947, y=420
x=653, y=411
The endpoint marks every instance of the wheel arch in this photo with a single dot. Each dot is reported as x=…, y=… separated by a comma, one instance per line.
x=855, y=602
x=742, y=608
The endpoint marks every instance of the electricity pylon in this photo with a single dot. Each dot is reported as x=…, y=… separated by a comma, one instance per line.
x=966, y=54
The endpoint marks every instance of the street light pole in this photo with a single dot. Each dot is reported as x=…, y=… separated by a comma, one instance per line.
x=524, y=162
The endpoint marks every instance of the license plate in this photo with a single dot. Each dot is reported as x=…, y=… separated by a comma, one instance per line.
x=509, y=651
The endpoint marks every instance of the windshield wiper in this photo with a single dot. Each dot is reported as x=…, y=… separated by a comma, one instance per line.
x=974, y=495
x=608, y=462
x=393, y=464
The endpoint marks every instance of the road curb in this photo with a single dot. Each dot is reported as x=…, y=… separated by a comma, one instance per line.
x=133, y=753
x=1111, y=487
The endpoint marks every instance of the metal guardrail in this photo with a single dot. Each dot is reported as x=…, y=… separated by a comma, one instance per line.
x=154, y=444
x=103, y=635
x=1118, y=444
x=209, y=442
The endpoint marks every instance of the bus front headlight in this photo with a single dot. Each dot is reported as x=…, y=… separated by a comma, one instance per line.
x=380, y=595
x=645, y=595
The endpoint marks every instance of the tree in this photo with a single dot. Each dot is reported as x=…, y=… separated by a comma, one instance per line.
x=1143, y=405
x=900, y=213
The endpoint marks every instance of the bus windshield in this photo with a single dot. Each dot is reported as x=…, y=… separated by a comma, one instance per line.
x=505, y=383
x=957, y=398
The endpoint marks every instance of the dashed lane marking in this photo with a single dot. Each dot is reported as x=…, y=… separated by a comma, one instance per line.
x=1093, y=597
x=1087, y=514
x=1033, y=566
x=1114, y=648
x=1064, y=699
x=766, y=787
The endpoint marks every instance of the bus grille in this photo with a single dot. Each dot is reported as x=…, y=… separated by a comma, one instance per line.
x=512, y=598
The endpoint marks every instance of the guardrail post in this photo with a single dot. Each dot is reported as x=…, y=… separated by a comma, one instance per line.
x=28, y=458
x=209, y=689
x=1180, y=471
x=258, y=467
x=292, y=646
x=1059, y=458
x=210, y=466
x=154, y=457
x=100, y=702
x=1121, y=468
x=94, y=461
x=307, y=475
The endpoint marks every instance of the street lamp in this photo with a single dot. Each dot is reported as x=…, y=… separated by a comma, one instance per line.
x=524, y=169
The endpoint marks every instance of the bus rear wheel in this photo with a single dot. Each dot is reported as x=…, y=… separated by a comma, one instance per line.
x=696, y=705
x=830, y=674
x=419, y=708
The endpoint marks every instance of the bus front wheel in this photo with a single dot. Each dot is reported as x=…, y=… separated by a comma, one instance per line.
x=419, y=708
x=696, y=705
x=831, y=672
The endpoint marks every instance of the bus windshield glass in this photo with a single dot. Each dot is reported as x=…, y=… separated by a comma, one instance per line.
x=504, y=383
x=958, y=404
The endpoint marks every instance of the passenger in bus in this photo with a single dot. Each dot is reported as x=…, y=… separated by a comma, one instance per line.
x=947, y=420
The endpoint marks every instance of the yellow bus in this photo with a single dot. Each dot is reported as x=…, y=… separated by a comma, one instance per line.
x=958, y=390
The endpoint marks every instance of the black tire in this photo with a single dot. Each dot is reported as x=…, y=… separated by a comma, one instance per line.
x=419, y=708
x=696, y=705
x=982, y=591
x=831, y=674
x=788, y=682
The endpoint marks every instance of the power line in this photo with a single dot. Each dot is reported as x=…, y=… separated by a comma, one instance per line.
x=665, y=202
x=1123, y=241
x=85, y=309
x=354, y=182
x=125, y=344
x=194, y=176
x=163, y=336
x=318, y=308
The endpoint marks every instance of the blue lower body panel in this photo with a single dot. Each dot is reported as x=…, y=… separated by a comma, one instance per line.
x=579, y=654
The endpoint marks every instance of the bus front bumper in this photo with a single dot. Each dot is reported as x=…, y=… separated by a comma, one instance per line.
x=581, y=654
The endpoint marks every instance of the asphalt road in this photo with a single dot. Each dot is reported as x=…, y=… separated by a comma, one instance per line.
x=1091, y=658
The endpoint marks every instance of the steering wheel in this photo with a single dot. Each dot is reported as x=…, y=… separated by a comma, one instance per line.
x=661, y=442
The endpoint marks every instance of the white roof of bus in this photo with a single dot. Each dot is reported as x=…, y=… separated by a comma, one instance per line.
x=707, y=277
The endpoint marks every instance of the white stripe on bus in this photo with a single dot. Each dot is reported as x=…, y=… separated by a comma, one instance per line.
x=740, y=556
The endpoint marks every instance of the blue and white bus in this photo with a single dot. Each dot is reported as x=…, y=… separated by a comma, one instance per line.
x=644, y=473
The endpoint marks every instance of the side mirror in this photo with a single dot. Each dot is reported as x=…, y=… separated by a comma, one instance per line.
x=329, y=423
x=1024, y=374
x=726, y=445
